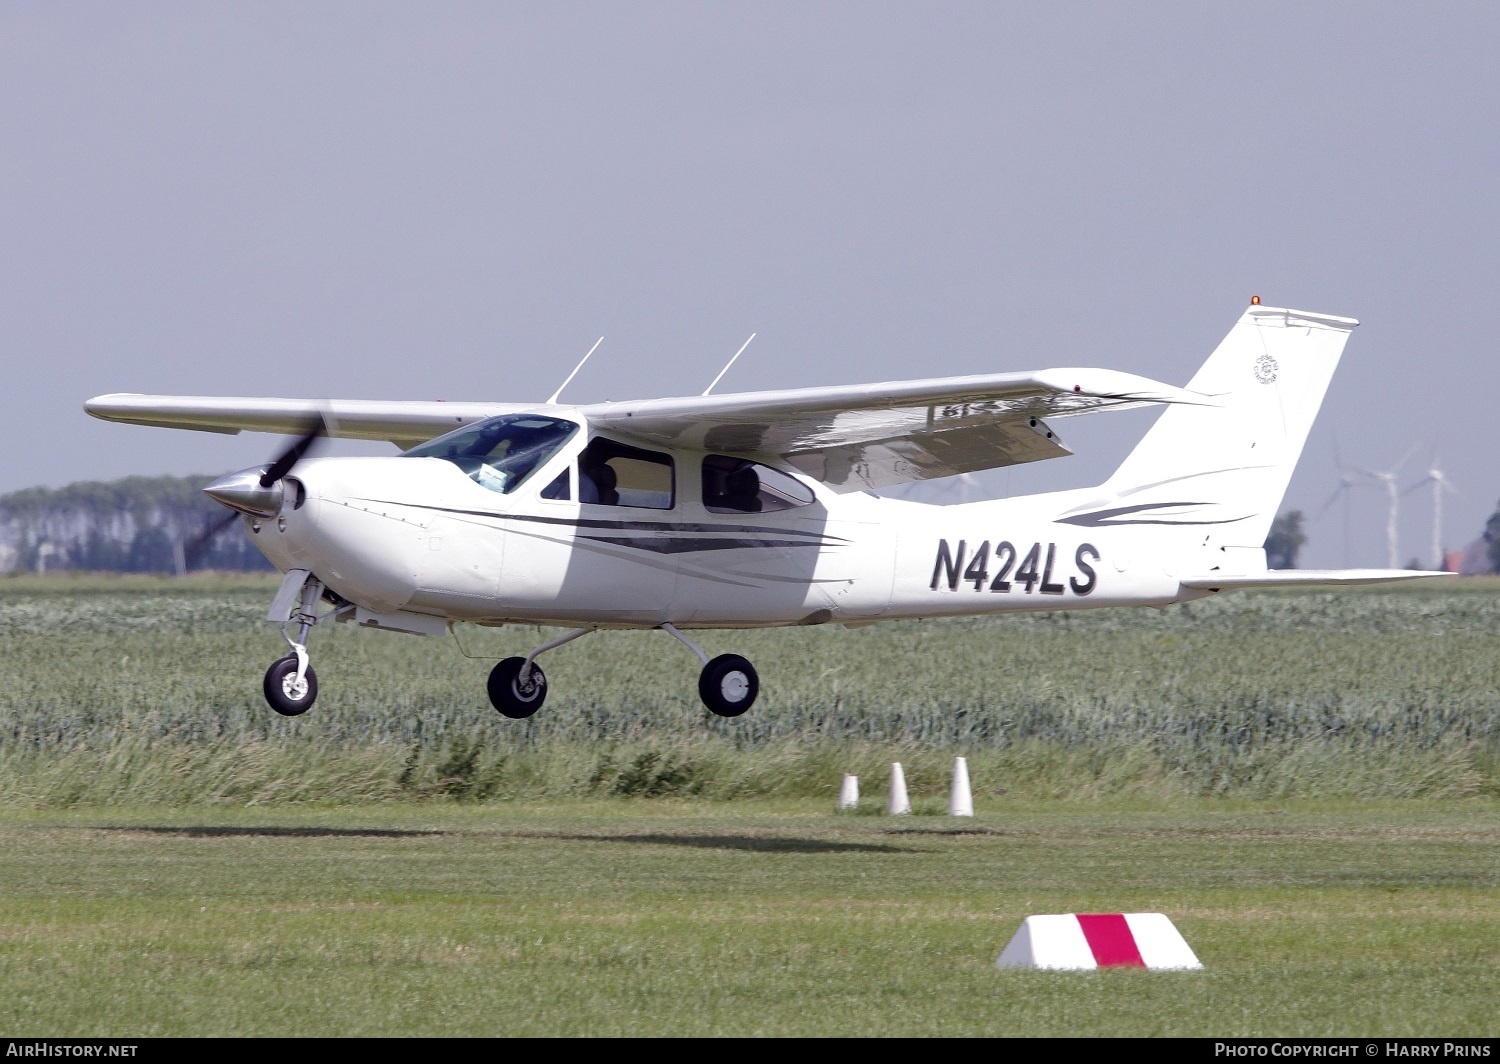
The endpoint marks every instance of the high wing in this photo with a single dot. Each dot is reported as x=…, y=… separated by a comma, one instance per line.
x=404, y=423
x=849, y=437
x=879, y=435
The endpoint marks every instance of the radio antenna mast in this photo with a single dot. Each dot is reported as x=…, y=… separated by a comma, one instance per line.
x=731, y=362
x=564, y=384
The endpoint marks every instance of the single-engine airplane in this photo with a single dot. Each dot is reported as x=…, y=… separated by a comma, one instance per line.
x=756, y=509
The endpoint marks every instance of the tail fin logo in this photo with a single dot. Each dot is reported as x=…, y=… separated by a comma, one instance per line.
x=1265, y=369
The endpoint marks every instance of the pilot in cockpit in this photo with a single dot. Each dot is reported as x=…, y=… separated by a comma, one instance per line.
x=597, y=482
x=742, y=490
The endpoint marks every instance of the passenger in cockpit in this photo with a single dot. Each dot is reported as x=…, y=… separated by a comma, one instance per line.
x=597, y=483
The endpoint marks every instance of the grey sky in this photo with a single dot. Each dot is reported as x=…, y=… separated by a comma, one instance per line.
x=454, y=200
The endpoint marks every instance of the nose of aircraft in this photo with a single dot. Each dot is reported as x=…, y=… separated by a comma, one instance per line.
x=242, y=491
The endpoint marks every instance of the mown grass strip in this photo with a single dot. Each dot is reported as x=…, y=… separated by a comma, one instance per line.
x=702, y=918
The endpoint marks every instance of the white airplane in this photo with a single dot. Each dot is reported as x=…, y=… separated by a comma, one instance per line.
x=752, y=510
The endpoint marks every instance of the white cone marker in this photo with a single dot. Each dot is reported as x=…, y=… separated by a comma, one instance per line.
x=899, y=804
x=849, y=792
x=961, y=797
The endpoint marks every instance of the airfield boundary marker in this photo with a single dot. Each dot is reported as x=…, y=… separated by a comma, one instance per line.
x=961, y=795
x=848, y=793
x=898, y=804
x=1085, y=941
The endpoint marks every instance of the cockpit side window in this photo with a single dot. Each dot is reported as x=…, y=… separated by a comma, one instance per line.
x=740, y=486
x=614, y=474
x=499, y=453
x=561, y=486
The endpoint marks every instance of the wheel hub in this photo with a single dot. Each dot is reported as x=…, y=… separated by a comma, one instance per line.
x=735, y=686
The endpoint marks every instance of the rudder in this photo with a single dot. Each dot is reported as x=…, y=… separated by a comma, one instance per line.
x=1222, y=468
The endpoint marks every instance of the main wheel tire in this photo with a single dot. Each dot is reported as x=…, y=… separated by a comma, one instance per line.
x=283, y=692
x=507, y=693
x=728, y=685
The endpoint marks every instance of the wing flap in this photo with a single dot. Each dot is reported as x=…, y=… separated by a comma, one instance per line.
x=879, y=435
x=927, y=456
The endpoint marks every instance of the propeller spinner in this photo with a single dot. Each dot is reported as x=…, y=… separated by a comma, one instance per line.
x=258, y=491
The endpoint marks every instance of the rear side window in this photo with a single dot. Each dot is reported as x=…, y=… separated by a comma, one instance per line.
x=740, y=486
x=614, y=474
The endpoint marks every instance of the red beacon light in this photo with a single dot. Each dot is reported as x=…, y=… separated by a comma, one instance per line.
x=1255, y=301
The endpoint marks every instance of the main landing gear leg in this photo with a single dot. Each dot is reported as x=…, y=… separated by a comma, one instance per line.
x=291, y=686
x=517, y=686
x=728, y=683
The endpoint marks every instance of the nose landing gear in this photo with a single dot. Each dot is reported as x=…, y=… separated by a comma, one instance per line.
x=291, y=686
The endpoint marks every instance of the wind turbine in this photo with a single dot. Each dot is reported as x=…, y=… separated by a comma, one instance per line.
x=1347, y=483
x=1393, y=498
x=1440, y=484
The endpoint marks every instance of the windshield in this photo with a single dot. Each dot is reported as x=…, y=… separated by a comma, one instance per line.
x=501, y=452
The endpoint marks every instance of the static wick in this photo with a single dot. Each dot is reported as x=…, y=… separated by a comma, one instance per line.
x=564, y=384
x=731, y=362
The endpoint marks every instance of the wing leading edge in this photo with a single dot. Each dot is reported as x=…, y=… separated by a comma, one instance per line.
x=849, y=437
x=404, y=423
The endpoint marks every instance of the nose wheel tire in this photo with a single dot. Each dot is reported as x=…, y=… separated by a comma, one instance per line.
x=728, y=685
x=286, y=694
x=510, y=696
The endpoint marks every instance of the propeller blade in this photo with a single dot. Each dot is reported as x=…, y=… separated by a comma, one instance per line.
x=195, y=546
x=316, y=429
x=235, y=489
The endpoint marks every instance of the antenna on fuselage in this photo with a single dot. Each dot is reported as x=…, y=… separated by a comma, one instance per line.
x=564, y=384
x=725, y=370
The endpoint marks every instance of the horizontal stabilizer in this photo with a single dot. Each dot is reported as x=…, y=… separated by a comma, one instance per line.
x=1303, y=578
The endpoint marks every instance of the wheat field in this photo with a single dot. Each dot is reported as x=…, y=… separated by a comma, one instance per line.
x=146, y=691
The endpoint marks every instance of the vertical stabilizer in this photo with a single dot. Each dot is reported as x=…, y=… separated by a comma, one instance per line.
x=1219, y=470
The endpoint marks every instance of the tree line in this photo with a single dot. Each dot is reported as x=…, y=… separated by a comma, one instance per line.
x=132, y=525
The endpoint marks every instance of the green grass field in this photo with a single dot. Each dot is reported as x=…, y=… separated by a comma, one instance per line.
x=1306, y=782
x=751, y=918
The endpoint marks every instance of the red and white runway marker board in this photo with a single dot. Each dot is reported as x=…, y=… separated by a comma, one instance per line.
x=1081, y=941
